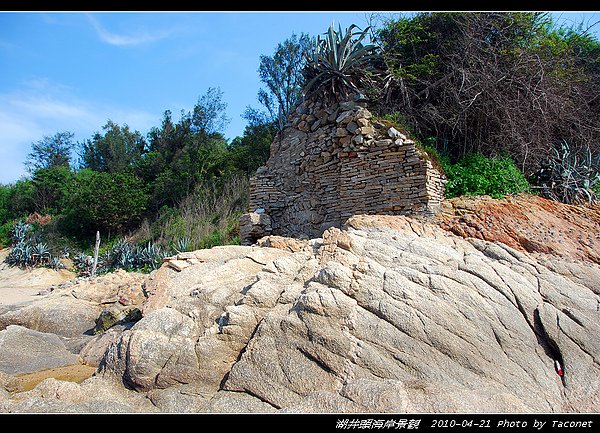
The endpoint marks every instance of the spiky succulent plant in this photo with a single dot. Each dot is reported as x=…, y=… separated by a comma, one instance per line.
x=21, y=231
x=122, y=255
x=20, y=255
x=183, y=244
x=151, y=255
x=41, y=253
x=83, y=263
x=338, y=61
x=28, y=250
x=569, y=176
x=55, y=263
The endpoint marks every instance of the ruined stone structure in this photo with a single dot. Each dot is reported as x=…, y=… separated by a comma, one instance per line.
x=332, y=162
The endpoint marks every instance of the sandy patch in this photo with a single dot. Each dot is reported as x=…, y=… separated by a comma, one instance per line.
x=19, y=286
x=71, y=373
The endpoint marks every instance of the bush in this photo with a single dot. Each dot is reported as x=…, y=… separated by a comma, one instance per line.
x=209, y=216
x=20, y=200
x=111, y=202
x=475, y=174
x=5, y=233
x=493, y=82
x=50, y=186
x=4, y=195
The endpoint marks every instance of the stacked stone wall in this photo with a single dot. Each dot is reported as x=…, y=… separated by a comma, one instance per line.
x=330, y=163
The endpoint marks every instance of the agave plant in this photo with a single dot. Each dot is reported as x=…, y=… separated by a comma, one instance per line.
x=124, y=255
x=15, y=256
x=338, y=61
x=21, y=255
x=28, y=250
x=55, y=263
x=21, y=231
x=83, y=263
x=569, y=176
x=151, y=256
x=40, y=253
x=183, y=245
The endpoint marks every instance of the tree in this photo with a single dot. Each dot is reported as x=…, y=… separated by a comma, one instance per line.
x=51, y=151
x=4, y=196
x=494, y=82
x=186, y=153
x=111, y=202
x=20, y=200
x=114, y=151
x=282, y=74
x=252, y=150
x=208, y=114
x=50, y=186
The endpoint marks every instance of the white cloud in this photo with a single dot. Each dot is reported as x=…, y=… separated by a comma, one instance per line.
x=41, y=108
x=46, y=107
x=16, y=136
x=138, y=38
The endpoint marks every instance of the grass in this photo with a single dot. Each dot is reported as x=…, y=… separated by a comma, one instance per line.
x=208, y=217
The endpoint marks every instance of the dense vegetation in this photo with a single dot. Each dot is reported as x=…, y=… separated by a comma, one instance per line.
x=494, y=83
x=508, y=102
x=181, y=187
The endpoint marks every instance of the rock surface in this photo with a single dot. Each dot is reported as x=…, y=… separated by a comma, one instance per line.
x=94, y=395
x=23, y=351
x=388, y=314
x=72, y=307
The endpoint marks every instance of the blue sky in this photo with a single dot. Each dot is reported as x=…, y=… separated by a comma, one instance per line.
x=73, y=71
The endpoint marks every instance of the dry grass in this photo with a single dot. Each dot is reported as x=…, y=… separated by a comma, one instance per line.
x=207, y=217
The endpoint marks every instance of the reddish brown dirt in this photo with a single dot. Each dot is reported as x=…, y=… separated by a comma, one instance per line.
x=527, y=223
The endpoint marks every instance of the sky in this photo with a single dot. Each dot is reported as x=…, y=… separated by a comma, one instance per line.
x=73, y=71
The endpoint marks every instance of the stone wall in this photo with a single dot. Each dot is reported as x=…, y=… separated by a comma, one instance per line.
x=332, y=162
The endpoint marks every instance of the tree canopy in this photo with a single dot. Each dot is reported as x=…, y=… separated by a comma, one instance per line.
x=494, y=82
x=51, y=151
x=509, y=85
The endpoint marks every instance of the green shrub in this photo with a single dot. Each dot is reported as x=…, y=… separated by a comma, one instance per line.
x=209, y=216
x=50, y=187
x=398, y=121
x=4, y=195
x=110, y=202
x=6, y=234
x=212, y=240
x=476, y=174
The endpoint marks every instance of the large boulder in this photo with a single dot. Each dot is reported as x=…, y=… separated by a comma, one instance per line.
x=24, y=350
x=72, y=308
x=387, y=315
x=94, y=395
x=180, y=337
